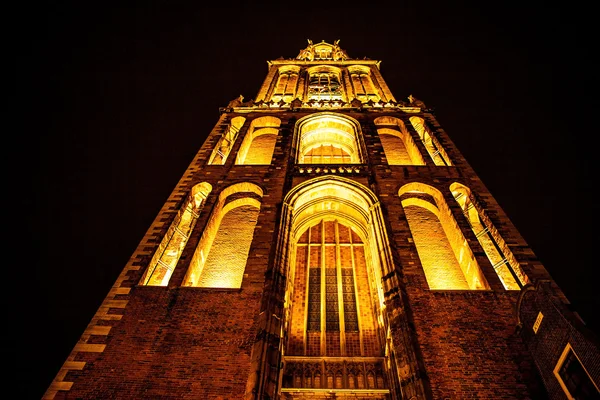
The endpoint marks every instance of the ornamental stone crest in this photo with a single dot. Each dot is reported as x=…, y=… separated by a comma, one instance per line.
x=322, y=51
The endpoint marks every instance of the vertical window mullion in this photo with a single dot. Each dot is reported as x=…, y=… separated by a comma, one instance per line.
x=323, y=292
x=362, y=349
x=340, y=292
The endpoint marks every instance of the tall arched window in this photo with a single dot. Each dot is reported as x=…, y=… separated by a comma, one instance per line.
x=324, y=83
x=287, y=81
x=335, y=254
x=258, y=145
x=362, y=83
x=223, y=148
x=445, y=255
x=170, y=248
x=506, y=266
x=330, y=255
x=220, y=257
x=433, y=146
x=398, y=145
x=328, y=138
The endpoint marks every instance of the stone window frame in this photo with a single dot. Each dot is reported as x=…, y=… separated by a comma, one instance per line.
x=331, y=93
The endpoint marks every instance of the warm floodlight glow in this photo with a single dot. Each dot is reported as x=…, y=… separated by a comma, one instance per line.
x=434, y=148
x=221, y=151
x=334, y=292
x=398, y=145
x=506, y=266
x=166, y=256
x=447, y=260
x=224, y=266
x=324, y=83
x=362, y=83
x=258, y=144
x=329, y=139
x=220, y=257
x=287, y=82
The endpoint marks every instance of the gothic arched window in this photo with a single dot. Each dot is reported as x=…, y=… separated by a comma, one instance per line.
x=324, y=83
x=433, y=146
x=287, y=81
x=362, y=83
x=221, y=255
x=223, y=148
x=170, y=248
x=258, y=145
x=447, y=259
x=328, y=138
x=330, y=253
x=335, y=255
x=398, y=145
x=506, y=266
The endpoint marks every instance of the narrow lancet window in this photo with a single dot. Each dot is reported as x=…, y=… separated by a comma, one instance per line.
x=447, y=259
x=328, y=255
x=170, y=248
x=398, y=145
x=287, y=82
x=506, y=266
x=574, y=378
x=259, y=143
x=221, y=255
x=433, y=146
x=362, y=84
x=225, y=144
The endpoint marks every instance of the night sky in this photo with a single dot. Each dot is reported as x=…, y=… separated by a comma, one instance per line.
x=113, y=102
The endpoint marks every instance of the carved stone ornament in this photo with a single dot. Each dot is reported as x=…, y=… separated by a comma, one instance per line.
x=322, y=51
x=415, y=102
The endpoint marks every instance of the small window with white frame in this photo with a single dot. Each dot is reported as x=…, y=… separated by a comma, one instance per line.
x=573, y=377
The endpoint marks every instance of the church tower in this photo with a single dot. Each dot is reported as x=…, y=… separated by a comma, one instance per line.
x=329, y=240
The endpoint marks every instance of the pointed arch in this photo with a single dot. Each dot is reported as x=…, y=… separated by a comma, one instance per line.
x=363, y=84
x=447, y=259
x=504, y=262
x=328, y=138
x=334, y=252
x=324, y=83
x=433, y=146
x=398, y=145
x=169, y=250
x=220, y=257
x=225, y=144
x=287, y=83
x=259, y=143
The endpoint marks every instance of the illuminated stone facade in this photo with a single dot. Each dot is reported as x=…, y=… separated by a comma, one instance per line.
x=329, y=241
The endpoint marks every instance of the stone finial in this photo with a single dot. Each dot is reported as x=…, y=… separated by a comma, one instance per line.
x=322, y=51
x=415, y=102
x=236, y=102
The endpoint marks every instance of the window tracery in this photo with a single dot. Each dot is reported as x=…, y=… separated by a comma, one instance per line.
x=362, y=83
x=328, y=138
x=287, y=82
x=334, y=290
x=324, y=85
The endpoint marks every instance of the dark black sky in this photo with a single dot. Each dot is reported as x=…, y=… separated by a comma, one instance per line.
x=114, y=100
